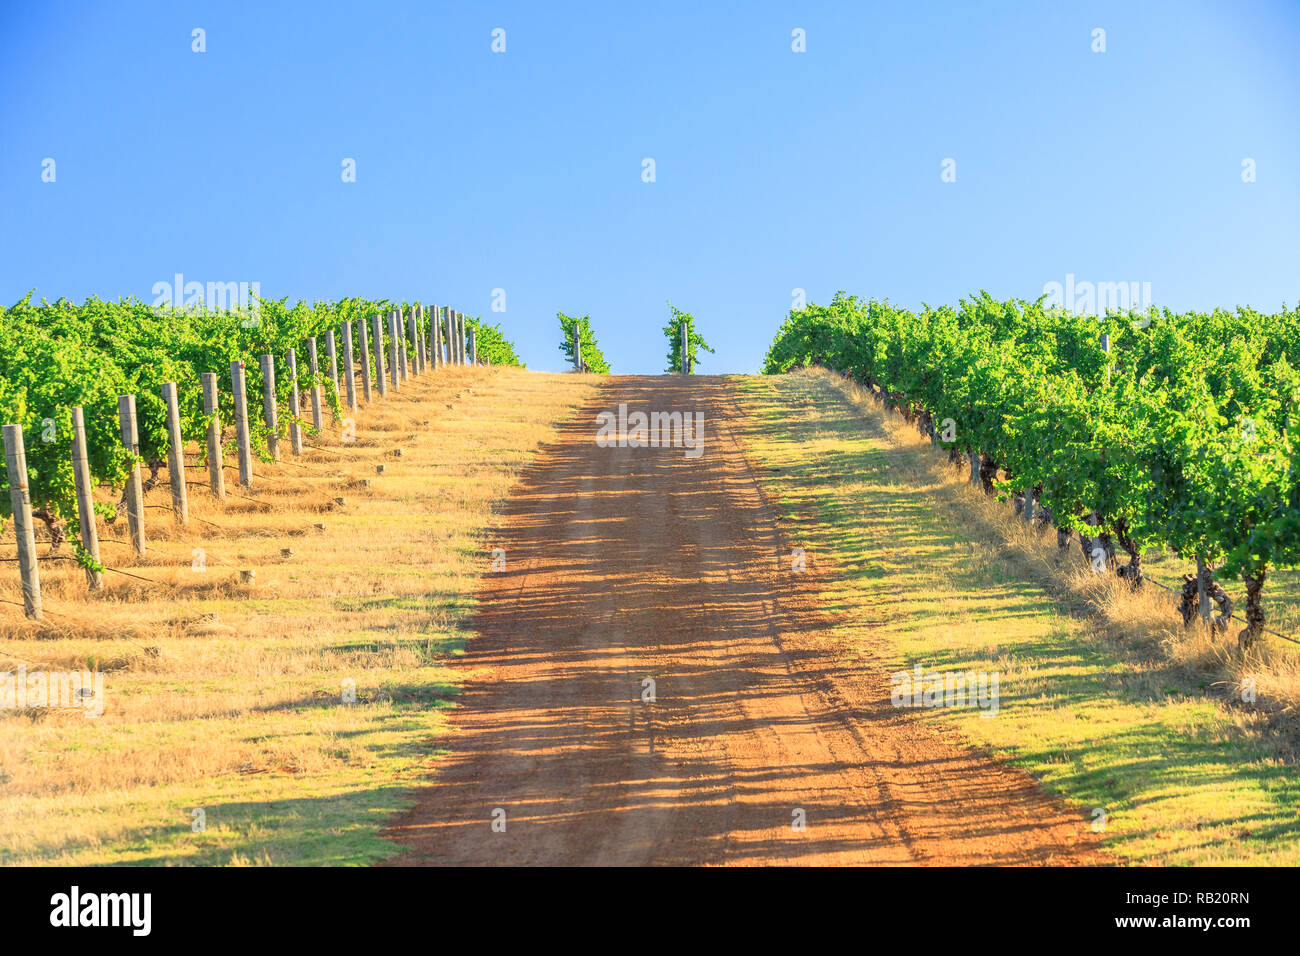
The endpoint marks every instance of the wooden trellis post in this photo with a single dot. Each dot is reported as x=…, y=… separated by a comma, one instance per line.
x=435, y=333
x=431, y=318
x=175, y=454
x=295, y=409
x=379, y=356
x=444, y=336
x=317, y=421
x=396, y=351
x=394, y=347
x=365, y=360
x=426, y=347
x=216, y=474
x=686, y=349
x=426, y=338
x=1202, y=591
x=269, y=412
x=134, y=486
x=409, y=331
x=449, y=319
x=349, y=373
x=473, y=346
x=240, y=393
x=85, y=497
x=399, y=339
x=21, y=500
x=416, y=352
x=331, y=352
x=460, y=338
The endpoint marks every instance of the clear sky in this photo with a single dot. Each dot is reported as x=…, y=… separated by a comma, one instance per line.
x=774, y=170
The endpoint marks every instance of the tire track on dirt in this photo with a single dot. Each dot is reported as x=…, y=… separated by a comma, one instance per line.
x=642, y=562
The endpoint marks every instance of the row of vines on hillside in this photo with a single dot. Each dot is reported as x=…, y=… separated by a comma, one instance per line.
x=492, y=345
x=1146, y=429
x=58, y=356
x=579, y=345
x=684, y=342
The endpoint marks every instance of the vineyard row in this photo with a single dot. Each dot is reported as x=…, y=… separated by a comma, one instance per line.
x=1150, y=429
x=399, y=348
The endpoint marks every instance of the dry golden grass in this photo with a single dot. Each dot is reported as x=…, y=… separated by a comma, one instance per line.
x=227, y=697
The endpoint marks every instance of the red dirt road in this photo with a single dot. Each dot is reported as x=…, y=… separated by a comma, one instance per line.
x=633, y=563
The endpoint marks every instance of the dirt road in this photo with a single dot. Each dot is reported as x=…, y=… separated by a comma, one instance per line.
x=624, y=564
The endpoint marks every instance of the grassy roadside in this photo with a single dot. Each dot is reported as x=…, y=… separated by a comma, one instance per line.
x=1098, y=699
x=224, y=702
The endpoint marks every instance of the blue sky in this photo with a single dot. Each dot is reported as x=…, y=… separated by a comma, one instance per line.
x=775, y=170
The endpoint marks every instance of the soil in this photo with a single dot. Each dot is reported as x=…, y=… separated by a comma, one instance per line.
x=627, y=564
